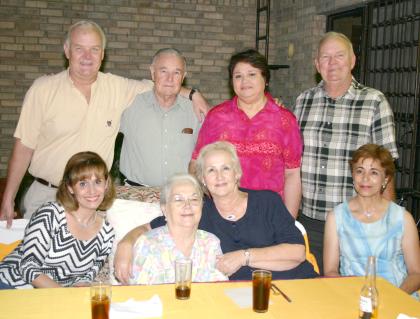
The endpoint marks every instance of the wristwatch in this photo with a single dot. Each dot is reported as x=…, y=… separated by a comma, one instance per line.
x=193, y=90
x=247, y=256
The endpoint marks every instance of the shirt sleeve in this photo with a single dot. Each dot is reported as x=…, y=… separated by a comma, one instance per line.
x=36, y=242
x=214, y=250
x=134, y=87
x=293, y=144
x=202, y=139
x=285, y=230
x=31, y=116
x=158, y=222
x=144, y=263
x=383, y=128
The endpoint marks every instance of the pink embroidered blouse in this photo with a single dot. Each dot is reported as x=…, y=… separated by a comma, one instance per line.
x=267, y=143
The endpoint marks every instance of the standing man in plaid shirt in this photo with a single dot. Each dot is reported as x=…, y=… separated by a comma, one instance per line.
x=336, y=117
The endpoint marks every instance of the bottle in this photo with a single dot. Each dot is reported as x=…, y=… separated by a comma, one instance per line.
x=368, y=306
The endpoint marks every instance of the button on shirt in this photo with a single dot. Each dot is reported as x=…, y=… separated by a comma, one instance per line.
x=332, y=129
x=156, y=144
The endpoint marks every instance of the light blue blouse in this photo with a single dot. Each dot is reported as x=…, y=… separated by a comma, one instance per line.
x=382, y=239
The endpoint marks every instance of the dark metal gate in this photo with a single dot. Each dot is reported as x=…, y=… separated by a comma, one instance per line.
x=392, y=65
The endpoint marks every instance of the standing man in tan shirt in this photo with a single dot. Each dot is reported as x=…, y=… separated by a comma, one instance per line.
x=78, y=109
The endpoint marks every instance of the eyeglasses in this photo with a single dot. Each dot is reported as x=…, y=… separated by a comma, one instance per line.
x=181, y=201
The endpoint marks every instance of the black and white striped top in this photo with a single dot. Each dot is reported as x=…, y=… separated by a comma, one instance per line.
x=49, y=248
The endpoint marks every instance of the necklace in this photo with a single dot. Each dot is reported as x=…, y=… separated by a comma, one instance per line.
x=89, y=223
x=231, y=217
x=368, y=214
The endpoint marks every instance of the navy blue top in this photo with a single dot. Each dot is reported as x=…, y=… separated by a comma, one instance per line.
x=266, y=222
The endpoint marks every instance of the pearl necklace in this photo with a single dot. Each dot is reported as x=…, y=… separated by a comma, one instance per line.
x=89, y=223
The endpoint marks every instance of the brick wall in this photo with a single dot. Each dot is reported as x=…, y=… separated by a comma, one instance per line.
x=301, y=23
x=32, y=32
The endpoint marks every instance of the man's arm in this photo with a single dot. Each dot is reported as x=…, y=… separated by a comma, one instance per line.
x=292, y=190
x=191, y=168
x=200, y=104
x=18, y=164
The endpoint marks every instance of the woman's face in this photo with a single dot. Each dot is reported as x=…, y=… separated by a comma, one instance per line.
x=248, y=82
x=89, y=192
x=219, y=174
x=368, y=177
x=184, y=205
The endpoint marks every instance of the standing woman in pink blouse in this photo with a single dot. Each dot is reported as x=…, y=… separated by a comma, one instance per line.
x=266, y=136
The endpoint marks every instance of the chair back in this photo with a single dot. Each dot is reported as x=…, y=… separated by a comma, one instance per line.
x=309, y=256
x=10, y=238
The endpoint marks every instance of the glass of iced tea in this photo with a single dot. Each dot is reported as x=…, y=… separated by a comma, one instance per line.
x=183, y=269
x=261, y=284
x=100, y=299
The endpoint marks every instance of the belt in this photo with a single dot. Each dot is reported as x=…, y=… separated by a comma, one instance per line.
x=44, y=182
x=132, y=183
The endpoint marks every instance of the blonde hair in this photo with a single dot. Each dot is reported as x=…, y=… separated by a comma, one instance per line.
x=217, y=146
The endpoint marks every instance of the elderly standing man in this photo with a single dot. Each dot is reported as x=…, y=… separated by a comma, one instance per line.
x=168, y=125
x=78, y=109
x=336, y=117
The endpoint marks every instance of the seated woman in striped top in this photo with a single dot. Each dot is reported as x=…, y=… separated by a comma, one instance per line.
x=66, y=242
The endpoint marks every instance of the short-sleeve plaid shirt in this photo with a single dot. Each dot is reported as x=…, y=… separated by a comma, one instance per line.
x=332, y=129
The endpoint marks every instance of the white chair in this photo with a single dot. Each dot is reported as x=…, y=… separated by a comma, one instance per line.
x=11, y=237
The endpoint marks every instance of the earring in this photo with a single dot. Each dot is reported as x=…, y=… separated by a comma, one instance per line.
x=383, y=186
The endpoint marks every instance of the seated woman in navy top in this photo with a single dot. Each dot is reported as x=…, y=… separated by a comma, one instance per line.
x=254, y=227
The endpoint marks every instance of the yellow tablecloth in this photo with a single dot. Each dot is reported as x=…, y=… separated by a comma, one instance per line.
x=313, y=298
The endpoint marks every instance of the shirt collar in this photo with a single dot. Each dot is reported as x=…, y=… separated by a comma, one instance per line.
x=94, y=84
x=350, y=93
x=173, y=106
x=267, y=106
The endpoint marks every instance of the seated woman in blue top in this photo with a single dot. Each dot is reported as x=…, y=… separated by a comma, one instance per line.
x=370, y=225
x=254, y=227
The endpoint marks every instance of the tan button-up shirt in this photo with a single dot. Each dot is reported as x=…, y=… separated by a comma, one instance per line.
x=57, y=121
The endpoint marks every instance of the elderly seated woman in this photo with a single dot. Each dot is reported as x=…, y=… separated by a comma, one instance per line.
x=156, y=251
x=254, y=226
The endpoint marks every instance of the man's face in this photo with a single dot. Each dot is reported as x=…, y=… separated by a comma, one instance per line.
x=335, y=61
x=84, y=53
x=168, y=72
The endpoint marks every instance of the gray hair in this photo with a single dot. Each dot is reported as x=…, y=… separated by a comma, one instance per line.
x=166, y=188
x=338, y=36
x=169, y=51
x=217, y=146
x=86, y=24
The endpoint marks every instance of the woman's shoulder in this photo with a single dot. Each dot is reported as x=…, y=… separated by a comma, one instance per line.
x=396, y=212
x=221, y=108
x=50, y=209
x=203, y=235
x=155, y=236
